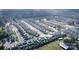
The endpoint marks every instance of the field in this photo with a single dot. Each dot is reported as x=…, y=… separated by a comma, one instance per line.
x=51, y=46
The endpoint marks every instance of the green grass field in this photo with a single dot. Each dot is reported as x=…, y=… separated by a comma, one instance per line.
x=51, y=46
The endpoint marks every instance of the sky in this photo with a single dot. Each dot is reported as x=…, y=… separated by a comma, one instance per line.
x=40, y=11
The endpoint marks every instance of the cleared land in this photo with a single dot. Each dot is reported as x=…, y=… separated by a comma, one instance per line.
x=51, y=46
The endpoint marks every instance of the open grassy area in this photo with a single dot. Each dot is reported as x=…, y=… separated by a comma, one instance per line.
x=51, y=46
x=1, y=30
